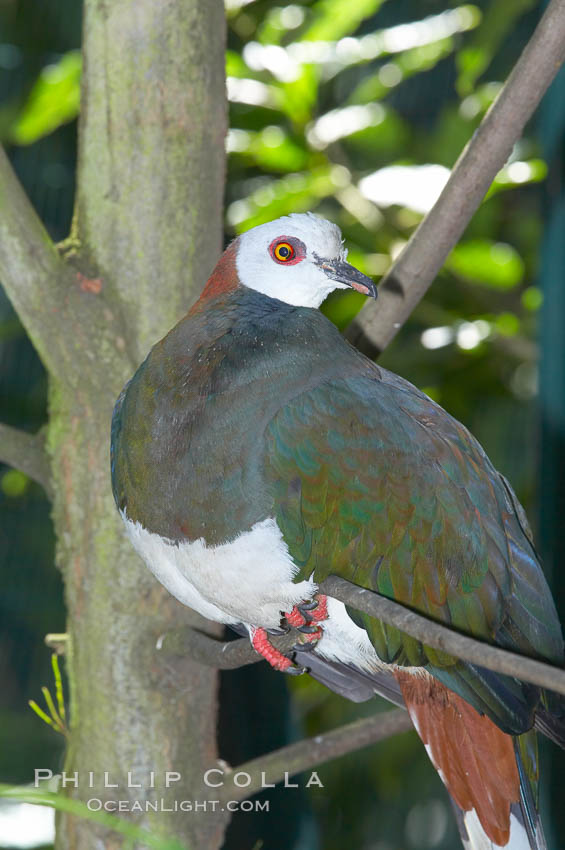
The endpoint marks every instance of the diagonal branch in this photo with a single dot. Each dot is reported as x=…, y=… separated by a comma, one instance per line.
x=238, y=653
x=413, y=272
x=65, y=312
x=26, y=452
x=281, y=764
x=31, y=269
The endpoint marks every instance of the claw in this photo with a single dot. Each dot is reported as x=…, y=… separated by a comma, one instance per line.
x=304, y=647
x=305, y=618
x=295, y=671
x=321, y=611
x=308, y=629
x=294, y=618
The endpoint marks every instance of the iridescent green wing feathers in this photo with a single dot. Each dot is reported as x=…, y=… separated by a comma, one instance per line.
x=376, y=483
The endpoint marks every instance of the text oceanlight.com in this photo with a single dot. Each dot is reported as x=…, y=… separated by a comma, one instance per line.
x=97, y=805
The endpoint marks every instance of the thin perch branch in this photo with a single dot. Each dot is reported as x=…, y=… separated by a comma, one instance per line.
x=310, y=752
x=25, y=452
x=227, y=656
x=411, y=275
x=441, y=637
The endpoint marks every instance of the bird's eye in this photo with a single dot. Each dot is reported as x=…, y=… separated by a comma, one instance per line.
x=283, y=252
x=287, y=250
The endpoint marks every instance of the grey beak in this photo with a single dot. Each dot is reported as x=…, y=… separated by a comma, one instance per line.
x=342, y=272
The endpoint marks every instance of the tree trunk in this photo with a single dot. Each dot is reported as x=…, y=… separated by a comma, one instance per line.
x=146, y=233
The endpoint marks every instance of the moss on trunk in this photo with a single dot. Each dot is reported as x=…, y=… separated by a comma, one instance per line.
x=147, y=231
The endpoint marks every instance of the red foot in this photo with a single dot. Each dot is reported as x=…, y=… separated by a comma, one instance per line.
x=303, y=617
x=304, y=613
x=262, y=645
x=295, y=618
x=312, y=637
x=321, y=611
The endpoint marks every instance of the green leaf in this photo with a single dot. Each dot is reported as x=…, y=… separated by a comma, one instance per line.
x=295, y=193
x=333, y=19
x=507, y=324
x=389, y=138
x=494, y=264
x=475, y=105
x=532, y=299
x=42, y=714
x=58, y=686
x=298, y=98
x=476, y=57
x=14, y=483
x=270, y=150
x=376, y=86
x=342, y=307
x=278, y=22
x=339, y=123
x=52, y=710
x=235, y=66
x=471, y=62
x=425, y=44
x=54, y=100
x=519, y=173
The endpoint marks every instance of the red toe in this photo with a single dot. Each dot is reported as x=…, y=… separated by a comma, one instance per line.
x=321, y=611
x=295, y=618
x=261, y=644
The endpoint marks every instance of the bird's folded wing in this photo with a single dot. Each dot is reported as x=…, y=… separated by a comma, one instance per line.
x=376, y=483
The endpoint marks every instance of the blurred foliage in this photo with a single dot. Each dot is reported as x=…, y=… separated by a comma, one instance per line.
x=61, y=802
x=53, y=100
x=354, y=109
x=475, y=57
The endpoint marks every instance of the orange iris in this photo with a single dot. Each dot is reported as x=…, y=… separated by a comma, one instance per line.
x=284, y=252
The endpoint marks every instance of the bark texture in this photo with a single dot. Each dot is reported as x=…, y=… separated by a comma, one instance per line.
x=151, y=154
x=146, y=233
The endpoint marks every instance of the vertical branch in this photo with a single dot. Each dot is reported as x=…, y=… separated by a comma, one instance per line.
x=147, y=229
x=151, y=154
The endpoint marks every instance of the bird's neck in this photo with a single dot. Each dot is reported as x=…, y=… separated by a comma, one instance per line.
x=224, y=278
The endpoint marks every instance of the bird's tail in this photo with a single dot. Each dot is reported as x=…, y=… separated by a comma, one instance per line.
x=526, y=832
x=490, y=775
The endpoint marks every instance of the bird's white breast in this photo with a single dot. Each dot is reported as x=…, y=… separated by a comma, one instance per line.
x=248, y=580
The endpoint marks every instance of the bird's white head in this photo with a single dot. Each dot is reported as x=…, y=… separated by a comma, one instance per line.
x=298, y=259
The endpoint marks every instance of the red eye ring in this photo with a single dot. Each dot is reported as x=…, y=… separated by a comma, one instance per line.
x=283, y=252
x=287, y=250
